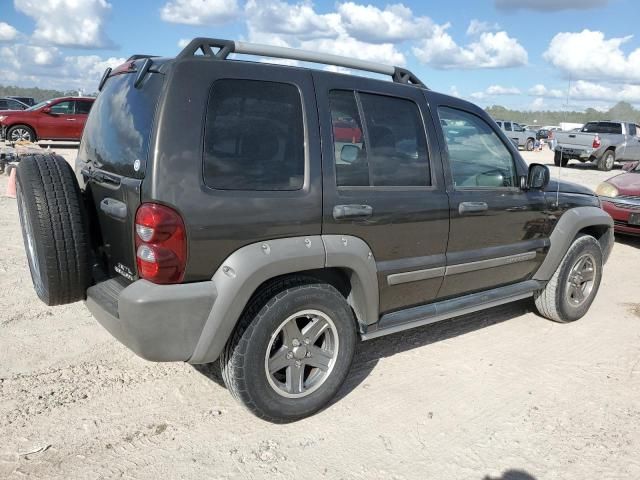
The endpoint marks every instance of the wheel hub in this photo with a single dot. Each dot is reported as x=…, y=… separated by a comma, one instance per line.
x=581, y=280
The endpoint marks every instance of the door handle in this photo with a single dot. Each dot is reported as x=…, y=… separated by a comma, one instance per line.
x=71, y=119
x=472, y=207
x=341, y=212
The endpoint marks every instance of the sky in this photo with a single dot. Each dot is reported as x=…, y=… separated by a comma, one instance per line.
x=523, y=54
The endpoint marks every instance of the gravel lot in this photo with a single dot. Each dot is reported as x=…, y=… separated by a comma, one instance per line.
x=503, y=394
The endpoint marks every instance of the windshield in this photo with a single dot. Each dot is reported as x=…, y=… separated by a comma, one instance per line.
x=38, y=105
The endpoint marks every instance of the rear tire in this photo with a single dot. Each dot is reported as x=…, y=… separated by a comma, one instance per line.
x=607, y=161
x=267, y=353
x=19, y=133
x=53, y=228
x=573, y=287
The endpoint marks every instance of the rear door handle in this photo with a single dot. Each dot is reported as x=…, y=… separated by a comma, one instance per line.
x=472, y=207
x=341, y=212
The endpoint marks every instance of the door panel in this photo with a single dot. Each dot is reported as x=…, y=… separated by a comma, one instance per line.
x=499, y=232
x=60, y=122
x=376, y=186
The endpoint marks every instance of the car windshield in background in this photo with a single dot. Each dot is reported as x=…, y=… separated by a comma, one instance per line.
x=602, y=127
x=38, y=105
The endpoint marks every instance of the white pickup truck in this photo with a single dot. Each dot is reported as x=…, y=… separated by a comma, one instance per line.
x=602, y=143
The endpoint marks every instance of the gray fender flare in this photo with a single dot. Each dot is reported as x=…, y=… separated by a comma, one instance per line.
x=570, y=223
x=247, y=268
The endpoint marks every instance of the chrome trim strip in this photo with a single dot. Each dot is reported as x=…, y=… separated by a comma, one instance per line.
x=624, y=201
x=489, y=263
x=416, y=275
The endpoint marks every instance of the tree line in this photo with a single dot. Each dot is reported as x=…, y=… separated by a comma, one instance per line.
x=620, y=111
x=38, y=94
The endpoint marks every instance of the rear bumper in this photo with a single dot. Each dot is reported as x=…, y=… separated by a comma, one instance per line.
x=582, y=154
x=161, y=323
x=620, y=209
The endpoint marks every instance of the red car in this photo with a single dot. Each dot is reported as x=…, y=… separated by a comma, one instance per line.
x=58, y=119
x=620, y=197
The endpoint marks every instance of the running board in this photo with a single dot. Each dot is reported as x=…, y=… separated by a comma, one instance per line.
x=435, y=312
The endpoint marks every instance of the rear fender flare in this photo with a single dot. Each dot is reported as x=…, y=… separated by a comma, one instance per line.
x=242, y=273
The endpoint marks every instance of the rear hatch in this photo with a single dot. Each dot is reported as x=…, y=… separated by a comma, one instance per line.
x=112, y=160
x=577, y=140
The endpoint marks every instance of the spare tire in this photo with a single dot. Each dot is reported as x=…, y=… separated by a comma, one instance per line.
x=54, y=228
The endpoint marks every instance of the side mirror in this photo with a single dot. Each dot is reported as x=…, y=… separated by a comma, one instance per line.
x=46, y=110
x=628, y=166
x=349, y=153
x=538, y=177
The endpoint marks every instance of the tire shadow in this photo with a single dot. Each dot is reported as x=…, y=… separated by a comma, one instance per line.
x=629, y=240
x=370, y=352
x=512, y=474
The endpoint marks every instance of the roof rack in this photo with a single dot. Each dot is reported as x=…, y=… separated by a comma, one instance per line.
x=223, y=48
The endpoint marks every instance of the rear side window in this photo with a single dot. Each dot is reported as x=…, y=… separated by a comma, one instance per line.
x=83, y=107
x=390, y=151
x=254, y=136
x=632, y=130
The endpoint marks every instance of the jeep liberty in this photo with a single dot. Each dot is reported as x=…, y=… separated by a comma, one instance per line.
x=271, y=216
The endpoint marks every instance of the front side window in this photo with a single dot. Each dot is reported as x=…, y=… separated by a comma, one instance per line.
x=390, y=151
x=477, y=156
x=83, y=107
x=62, y=108
x=254, y=136
x=507, y=126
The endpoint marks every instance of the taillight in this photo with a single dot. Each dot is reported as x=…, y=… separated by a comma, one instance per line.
x=596, y=142
x=161, y=244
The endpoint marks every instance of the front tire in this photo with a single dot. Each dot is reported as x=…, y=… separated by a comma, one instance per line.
x=291, y=351
x=559, y=160
x=573, y=287
x=21, y=133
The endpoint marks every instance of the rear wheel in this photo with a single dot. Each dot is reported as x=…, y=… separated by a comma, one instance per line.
x=291, y=350
x=607, y=161
x=53, y=228
x=529, y=145
x=573, y=287
x=21, y=133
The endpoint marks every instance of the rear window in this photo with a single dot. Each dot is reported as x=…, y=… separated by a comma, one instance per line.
x=117, y=133
x=254, y=136
x=602, y=127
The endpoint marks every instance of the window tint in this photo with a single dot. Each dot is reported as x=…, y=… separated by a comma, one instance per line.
x=507, y=126
x=63, y=108
x=397, y=145
x=602, y=127
x=254, y=136
x=477, y=156
x=632, y=130
x=3, y=105
x=83, y=107
x=13, y=105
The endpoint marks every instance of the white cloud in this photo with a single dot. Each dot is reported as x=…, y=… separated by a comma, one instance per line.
x=453, y=91
x=183, y=42
x=300, y=26
x=582, y=91
x=549, y=5
x=199, y=12
x=540, y=90
x=47, y=67
x=588, y=55
x=7, y=32
x=491, y=50
x=495, y=90
x=477, y=26
x=537, y=104
x=395, y=23
x=70, y=23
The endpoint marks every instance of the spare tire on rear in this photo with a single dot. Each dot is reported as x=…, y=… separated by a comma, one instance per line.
x=54, y=228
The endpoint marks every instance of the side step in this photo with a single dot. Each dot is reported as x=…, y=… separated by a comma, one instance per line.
x=435, y=312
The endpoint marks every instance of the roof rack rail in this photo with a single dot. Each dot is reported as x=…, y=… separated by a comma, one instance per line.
x=223, y=48
x=138, y=57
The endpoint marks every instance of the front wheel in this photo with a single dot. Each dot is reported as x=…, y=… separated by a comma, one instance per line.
x=559, y=160
x=291, y=351
x=21, y=133
x=573, y=287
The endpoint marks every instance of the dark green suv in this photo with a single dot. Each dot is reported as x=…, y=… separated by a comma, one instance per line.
x=270, y=217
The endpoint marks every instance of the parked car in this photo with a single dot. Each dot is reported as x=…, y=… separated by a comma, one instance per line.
x=8, y=103
x=227, y=220
x=620, y=197
x=58, y=119
x=30, y=101
x=546, y=133
x=602, y=143
x=525, y=138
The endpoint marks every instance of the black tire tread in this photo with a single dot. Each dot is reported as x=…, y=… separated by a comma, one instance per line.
x=51, y=190
x=231, y=359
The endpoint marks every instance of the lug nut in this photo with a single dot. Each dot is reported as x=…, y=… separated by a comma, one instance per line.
x=295, y=342
x=308, y=355
x=306, y=341
x=298, y=363
x=289, y=355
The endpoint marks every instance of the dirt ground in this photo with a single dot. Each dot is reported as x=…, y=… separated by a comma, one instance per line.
x=502, y=394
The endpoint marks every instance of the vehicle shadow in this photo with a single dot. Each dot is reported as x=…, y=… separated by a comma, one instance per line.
x=370, y=352
x=583, y=166
x=511, y=474
x=629, y=240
